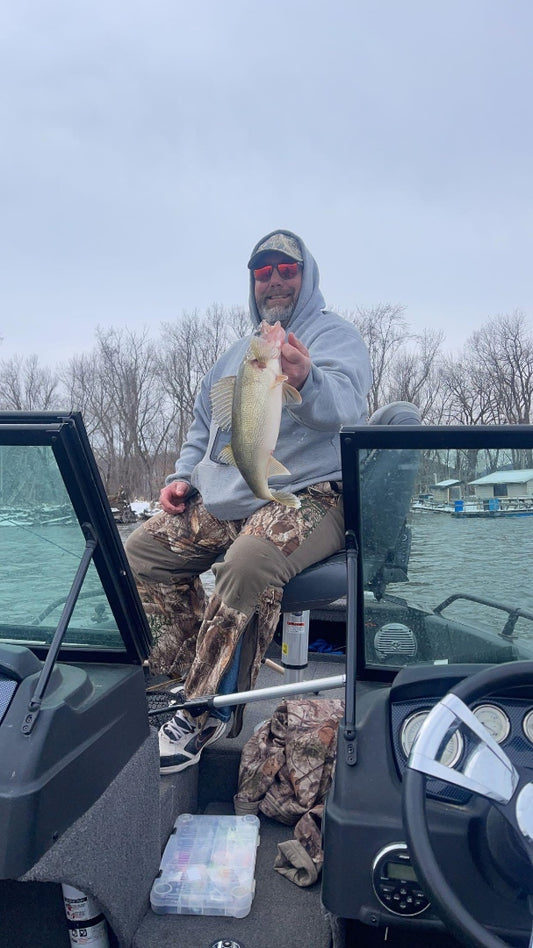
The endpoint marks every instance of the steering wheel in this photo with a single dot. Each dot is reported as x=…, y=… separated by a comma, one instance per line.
x=487, y=772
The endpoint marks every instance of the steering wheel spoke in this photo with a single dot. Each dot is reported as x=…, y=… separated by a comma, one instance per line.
x=485, y=770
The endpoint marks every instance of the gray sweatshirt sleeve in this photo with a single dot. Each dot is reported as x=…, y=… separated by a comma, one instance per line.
x=335, y=390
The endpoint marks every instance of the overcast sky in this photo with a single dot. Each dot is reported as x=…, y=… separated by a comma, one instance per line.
x=146, y=146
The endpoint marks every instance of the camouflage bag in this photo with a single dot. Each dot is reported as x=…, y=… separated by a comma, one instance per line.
x=285, y=772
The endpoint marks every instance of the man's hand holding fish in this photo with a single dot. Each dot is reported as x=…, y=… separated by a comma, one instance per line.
x=295, y=361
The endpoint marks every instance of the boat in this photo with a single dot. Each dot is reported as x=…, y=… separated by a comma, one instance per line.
x=427, y=834
x=472, y=508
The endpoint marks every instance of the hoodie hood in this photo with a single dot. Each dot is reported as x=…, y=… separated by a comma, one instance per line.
x=310, y=299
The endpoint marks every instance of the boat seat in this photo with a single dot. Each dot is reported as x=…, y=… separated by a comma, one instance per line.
x=386, y=545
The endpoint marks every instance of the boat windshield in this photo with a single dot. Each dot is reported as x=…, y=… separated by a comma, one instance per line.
x=42, y=545
x=446, y=534
x=52, y=504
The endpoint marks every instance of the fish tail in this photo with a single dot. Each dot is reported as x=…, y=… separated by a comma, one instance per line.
x=284, y=497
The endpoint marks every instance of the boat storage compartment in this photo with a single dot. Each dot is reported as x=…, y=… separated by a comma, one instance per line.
x=208, y=867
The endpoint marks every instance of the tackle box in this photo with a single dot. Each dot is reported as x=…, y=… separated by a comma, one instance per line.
x=208, y=867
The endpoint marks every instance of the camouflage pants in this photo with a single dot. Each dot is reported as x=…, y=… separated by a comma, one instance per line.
x=197, y=636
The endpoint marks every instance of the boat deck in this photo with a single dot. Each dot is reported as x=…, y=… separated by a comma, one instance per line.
x=281, y=912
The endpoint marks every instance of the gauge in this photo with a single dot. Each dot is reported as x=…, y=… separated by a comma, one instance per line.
x=527, y=724
x=409, y=733
x=495, y=720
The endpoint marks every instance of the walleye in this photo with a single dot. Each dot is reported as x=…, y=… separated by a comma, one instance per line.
x=250, y=404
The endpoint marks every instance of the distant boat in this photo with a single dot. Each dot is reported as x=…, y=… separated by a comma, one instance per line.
x=494, y=513
x=477, y=508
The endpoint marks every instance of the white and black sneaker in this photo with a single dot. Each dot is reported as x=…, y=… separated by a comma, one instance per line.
x=181, y=741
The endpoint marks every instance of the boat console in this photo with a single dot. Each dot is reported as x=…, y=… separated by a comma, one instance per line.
x=428, y=827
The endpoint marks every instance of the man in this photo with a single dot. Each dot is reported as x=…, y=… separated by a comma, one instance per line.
x=209, y=510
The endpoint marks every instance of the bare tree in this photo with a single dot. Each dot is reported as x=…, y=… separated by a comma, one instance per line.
x=125, y=408
x=128, y=370
x=469, y=397
x=87, y=393
x=239, y=322
x=191, y=346
x=503, y=350
x=27, y=386
x=414, y=375
x=491, y=381
x=385, y=331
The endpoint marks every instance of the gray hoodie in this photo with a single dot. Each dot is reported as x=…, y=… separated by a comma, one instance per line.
x=333, y=394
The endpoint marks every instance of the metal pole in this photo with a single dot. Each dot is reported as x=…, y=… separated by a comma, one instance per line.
x=261, y=694
x=35, y=703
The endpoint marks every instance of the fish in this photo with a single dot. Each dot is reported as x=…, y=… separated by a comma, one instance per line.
x=249, y=405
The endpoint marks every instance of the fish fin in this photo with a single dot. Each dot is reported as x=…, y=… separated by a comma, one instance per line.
x=275, y=467
x=222, y=401
x=284, y=497
x=226, y=456
x=290, y=395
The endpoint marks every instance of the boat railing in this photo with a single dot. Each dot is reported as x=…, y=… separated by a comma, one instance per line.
x=513, y=612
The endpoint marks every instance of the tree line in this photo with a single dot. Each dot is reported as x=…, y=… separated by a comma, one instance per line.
x=136, y=392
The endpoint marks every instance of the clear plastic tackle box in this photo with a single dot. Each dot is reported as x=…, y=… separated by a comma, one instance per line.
x=208, y=867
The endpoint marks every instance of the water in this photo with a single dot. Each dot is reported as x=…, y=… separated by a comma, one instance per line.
x=39, y=564
x=490, y=558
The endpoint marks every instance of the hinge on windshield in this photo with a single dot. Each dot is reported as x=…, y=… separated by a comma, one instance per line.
x=350, y=746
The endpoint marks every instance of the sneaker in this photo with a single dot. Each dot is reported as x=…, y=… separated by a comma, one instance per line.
x=181, y=741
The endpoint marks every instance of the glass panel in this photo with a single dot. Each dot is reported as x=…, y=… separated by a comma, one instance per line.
x=42, y=544
x=455, y=583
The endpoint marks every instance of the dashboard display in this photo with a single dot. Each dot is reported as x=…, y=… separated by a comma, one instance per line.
x=397, y=870
x=409, y=732
x=527, y=725
x=495, y=720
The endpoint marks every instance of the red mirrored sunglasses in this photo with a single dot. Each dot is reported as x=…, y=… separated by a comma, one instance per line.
x=286, y=271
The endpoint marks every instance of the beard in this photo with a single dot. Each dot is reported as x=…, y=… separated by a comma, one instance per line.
x=271, y=314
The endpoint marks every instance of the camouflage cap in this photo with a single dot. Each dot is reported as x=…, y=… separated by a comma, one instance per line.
x=281, y=242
